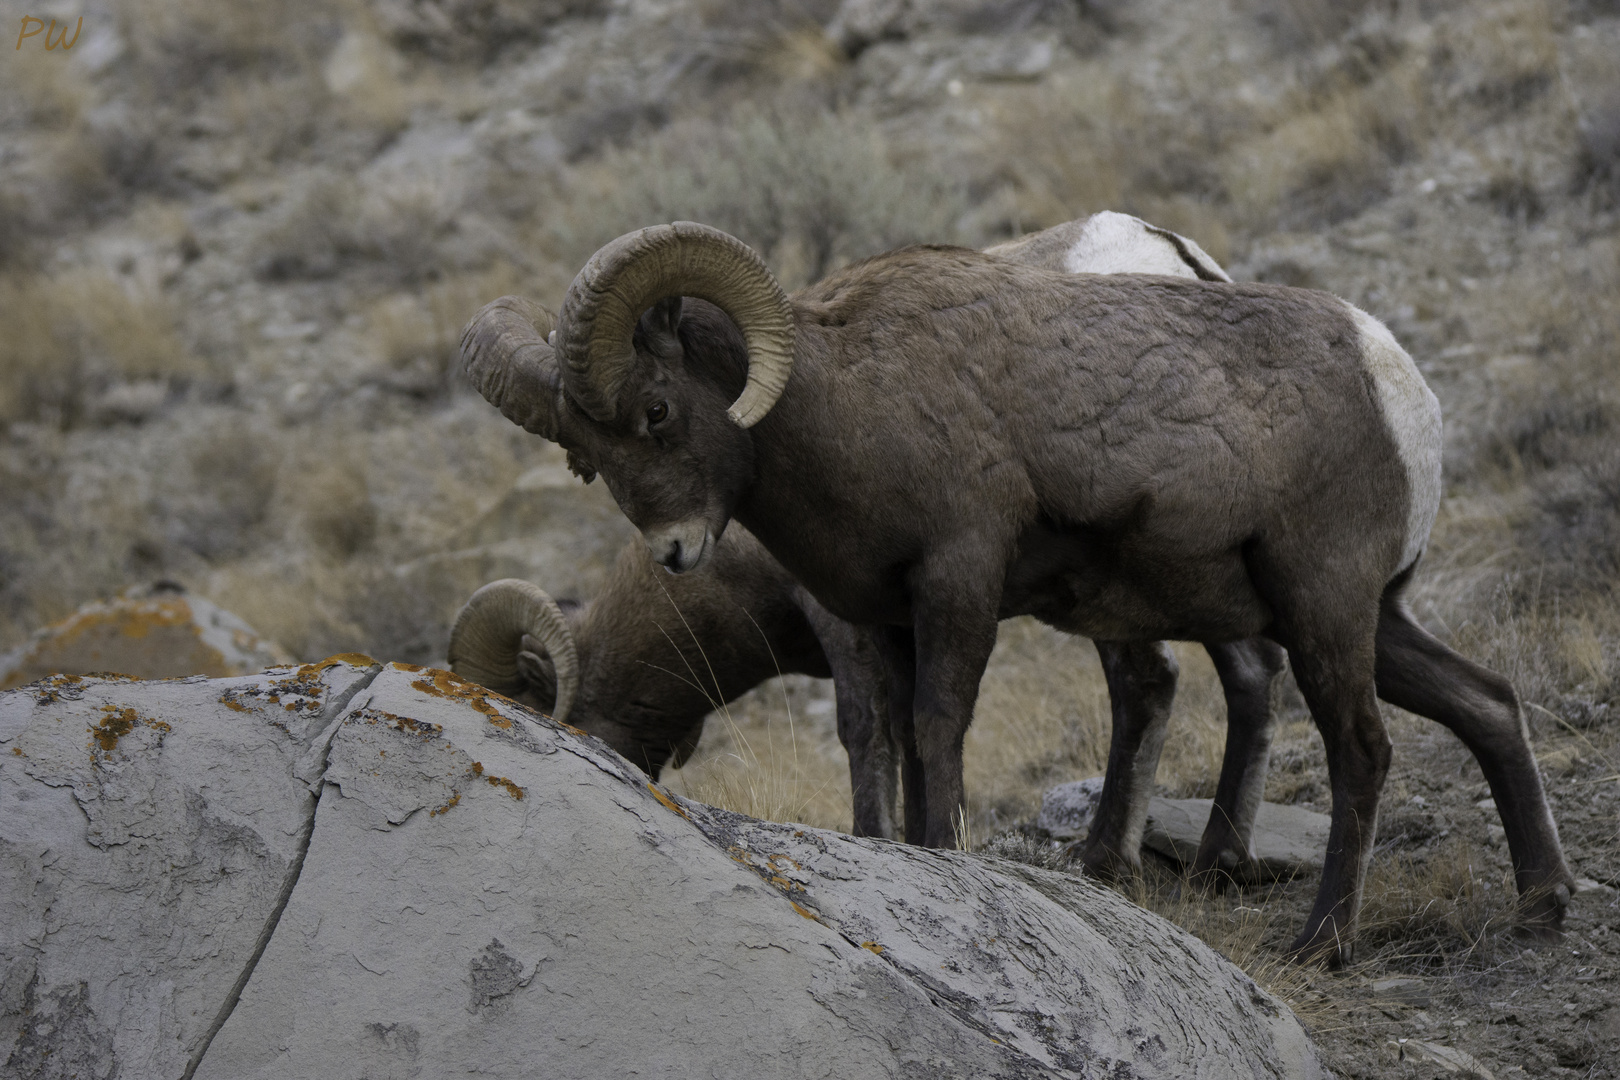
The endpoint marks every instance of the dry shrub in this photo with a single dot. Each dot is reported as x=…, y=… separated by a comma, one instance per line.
x=310, y=232
x=232, y=468
x=474, y=31
x=1305, y=24
x=187, y=45
x=417, y=334
x=734, y=39
x=364, y=76
x=337, y=511
x=299, y=603
x=808, y=191
x=72, y=334
x=1066, y=148
x=1324, y=164
x=1499, y=56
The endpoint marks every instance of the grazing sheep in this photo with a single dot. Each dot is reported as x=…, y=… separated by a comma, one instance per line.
x=643, y=663
x=652, y=682
x=935, y=438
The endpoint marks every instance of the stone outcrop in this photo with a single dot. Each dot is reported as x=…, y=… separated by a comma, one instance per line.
x=160, y=632
x=349, y=869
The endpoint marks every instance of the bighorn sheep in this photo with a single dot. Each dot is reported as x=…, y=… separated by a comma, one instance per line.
x=720, y=632
x=645, y=661
x=935, y=438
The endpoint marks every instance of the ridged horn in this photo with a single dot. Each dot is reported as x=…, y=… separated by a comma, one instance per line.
x=488, y=635
x=637, y=270
x=506, y=355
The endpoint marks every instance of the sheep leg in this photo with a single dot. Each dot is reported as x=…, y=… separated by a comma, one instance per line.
x=897, y=646
x=1248, y=670
x=1141, y=685
x=862, y=689
x=1333, y=665
x=1417, y=673
x=953, y=643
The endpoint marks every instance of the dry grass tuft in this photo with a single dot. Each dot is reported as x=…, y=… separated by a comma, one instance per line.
x=417, y=334
x=76, y=333
x=772, y=754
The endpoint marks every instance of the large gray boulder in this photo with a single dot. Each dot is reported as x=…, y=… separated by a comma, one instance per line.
x=349, y=870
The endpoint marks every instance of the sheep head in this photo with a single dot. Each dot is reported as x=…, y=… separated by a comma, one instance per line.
x=513, y=638
x=641, y=386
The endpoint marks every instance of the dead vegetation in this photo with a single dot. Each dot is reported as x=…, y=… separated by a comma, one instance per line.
x=237, y=245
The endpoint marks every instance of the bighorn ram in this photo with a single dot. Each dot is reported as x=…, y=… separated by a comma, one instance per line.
x=649, y=681
x=935, y=438
x=643, y=663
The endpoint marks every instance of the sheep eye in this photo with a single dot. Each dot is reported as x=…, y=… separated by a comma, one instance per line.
x=656, y=412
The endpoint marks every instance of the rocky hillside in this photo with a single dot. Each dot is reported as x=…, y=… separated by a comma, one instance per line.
x=238, y=242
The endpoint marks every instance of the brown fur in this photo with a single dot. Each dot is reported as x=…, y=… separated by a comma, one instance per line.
x=1129, y=457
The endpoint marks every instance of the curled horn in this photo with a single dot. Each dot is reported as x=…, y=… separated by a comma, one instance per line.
x=506, y=355
x=488, y=635
x=639, y=269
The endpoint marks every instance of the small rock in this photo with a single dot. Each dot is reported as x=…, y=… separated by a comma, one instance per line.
x=1406, y=991
x=1585, y=886
x=1449, y=1058
x=1287, y=839
x=1066, y=810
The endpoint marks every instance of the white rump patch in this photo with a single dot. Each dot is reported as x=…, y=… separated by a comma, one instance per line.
x=1413, y=416
x=1112, y=243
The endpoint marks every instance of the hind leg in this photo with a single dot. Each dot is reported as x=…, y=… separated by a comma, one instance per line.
x=1248, y=670
x=1141, y=684
x=1417, y=673
x=1330, y=645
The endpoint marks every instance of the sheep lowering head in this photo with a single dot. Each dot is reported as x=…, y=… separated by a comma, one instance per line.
x=647, y=643
x=936, y=438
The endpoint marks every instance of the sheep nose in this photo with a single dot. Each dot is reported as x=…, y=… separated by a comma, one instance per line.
x=669, y=556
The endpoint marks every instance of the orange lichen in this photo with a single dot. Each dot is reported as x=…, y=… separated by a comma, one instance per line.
x=134, y=621
x=803, y=911
x=353, y=659
x=455, y=797
x=120, y=722
x=669, y=802
x=17, y=750
x=511, y=788
x=872, y=946
x=231, y=703
x=114, y=726
x=447, y=684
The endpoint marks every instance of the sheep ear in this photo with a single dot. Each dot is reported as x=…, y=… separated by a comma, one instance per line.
x=660, y=326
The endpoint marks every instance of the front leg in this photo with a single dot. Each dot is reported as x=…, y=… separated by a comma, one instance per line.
x=955, y=632
x=863, y=690
x=1141, y=685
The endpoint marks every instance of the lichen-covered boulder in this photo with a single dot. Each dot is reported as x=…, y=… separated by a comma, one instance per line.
x=479, y=889
x=161, y=632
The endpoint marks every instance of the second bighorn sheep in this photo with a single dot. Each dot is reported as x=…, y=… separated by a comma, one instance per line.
x=934, y=439
x=651, y=656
